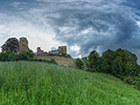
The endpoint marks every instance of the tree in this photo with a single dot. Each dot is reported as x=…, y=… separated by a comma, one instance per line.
x=8, y=56
x=93, y=59
x=108, y=57
x=120, y=63
x=118, y=67
x=11, y=44
x=26, y=55
x=79, y=63
x=124, y=64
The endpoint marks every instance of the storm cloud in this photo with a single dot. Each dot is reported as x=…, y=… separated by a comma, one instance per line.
x=87, y=27
x=83, y=25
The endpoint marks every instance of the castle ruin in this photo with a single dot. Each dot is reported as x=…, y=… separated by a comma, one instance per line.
x=65, y=60
x=23, y=44
x=61, y=50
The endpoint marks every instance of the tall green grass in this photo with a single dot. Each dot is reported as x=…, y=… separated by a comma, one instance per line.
x=34, y=83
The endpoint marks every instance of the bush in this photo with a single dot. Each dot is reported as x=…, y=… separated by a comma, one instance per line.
x=62, y=55
x=137, y=81
x=25, y=55
x=79, y=63
x=43, y=60
x=120, y=63
x=8, y=56
x=129, y=79
x=52, y=61
x=91, y=70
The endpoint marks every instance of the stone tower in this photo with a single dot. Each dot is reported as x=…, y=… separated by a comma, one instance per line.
x=23, y=44
x=39, y=51
x=62, y=50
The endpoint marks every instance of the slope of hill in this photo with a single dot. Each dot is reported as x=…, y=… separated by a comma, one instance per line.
x=43, y=84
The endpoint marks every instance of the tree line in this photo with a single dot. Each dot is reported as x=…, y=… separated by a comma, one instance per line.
x=26, y=55
x=120, y=63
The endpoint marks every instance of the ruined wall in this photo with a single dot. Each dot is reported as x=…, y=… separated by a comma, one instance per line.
x=65, y=61
x=39, y=51
x=60, y=60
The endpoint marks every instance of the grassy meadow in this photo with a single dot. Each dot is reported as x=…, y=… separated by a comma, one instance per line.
x=34, y=83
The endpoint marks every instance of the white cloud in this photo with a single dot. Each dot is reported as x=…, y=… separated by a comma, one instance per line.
x=138, y=23
x=11, y=26
x=15, y=4
x=75, y=48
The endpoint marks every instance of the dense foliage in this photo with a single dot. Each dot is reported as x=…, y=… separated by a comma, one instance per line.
x=44, y=60
x=60, y=55
x=35, y=83
x=11, y=56
x=120, y=63
x=79, y=63
x=25, y=55
x=11, y=44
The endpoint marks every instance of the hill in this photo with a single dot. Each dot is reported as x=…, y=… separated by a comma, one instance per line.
x=37, y=83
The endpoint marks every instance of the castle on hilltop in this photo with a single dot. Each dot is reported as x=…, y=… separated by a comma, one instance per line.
x=61, y=50
x=23, y=45
x=60, y=55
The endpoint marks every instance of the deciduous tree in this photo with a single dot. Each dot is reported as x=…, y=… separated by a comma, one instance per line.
x=11, y=44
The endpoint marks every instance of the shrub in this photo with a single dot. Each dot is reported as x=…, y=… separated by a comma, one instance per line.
x=91, y=70
x=25, y=55
x=43, y=60
x=128, y=79
x=79, y=63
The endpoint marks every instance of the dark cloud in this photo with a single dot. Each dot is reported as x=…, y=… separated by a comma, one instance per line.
x=86, y=25
x=97, y=28
x=135, y=3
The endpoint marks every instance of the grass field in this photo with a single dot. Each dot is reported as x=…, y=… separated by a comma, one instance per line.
x=34, y=83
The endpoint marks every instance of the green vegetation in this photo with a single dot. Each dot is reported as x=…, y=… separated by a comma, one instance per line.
x=11, y=56
x=25, y=55
x=34, y=83
x=120, y=63
x=79, y=63
x=62, y=55
x=44, y=60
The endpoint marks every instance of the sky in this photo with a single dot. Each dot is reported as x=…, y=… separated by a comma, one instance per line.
x=81, y=25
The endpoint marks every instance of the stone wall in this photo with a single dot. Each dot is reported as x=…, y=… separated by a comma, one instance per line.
x=39, y=51
x=65, y=61
x=62, y=50
x=23, y=44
